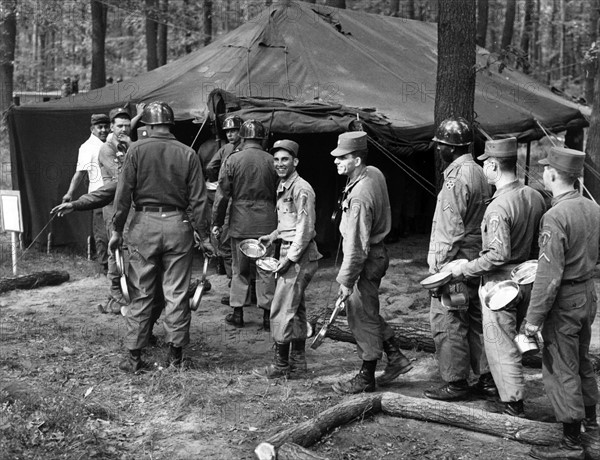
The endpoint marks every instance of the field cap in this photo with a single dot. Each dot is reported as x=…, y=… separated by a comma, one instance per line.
x=98, y=118
x=500, y=148
x=354, y=141
x=564, y=159
x=119, y=111
x=288, y=145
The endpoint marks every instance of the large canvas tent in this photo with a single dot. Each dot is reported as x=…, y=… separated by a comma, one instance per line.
x=308, y=72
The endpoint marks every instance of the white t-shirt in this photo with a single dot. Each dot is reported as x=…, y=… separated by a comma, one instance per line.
x=87, y=160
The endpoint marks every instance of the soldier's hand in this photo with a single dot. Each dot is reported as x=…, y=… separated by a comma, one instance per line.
x=457, y=272
x=62, y=209
x=206, y=247
x=216, y=232
x=283, y=266
x=116, y=241
x=531, y=329
x=67, y=197
x=266, y=240
x=139, y=108
x=344, y=292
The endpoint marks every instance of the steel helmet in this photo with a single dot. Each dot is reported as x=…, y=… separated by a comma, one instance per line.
x=454, y=131
x=158, y=113
x=253, y=129
x=232, y=122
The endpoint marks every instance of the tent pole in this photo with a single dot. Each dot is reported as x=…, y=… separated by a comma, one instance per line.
x=527, y=161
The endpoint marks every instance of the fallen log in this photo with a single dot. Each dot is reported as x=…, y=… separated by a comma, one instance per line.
x=504, y=426
x=309, y=432
x=288, y=451
x=34, y=280
x=417, y=337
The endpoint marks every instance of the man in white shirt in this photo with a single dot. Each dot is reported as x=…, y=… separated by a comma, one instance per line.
x=87, y=163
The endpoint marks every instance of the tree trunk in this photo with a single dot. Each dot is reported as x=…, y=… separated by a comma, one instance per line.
x=482, y=22
x=34, y=280
x=509, y=24
x=336, y=3
x=309, y=432
x=8, y=35
x=207, y=7
x=527, y=33
x=536, y=55
x=162, y=32
x=99, y=12
x=410, y=9
x=395, y=8
x=151, y=35
x=455, y=87
x=503, y=426
x=592, y=30
x=592, y=160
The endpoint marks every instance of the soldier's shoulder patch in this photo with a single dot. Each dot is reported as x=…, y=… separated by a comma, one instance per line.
x=450, y=183
x=355, y=209
x=544, y=238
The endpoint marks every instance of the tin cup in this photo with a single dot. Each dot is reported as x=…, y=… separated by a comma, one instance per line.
x=529, y=345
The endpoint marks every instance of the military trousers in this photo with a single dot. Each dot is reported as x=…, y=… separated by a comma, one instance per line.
x=458, y=337
x=567, y=370
x=500, y=328
x=288, y=310
x=243, y=270
x=368, y=327
x=160, y=246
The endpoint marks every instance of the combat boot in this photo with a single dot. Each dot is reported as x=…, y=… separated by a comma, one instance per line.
x=266, y=320
x=570, y=446
x=298, y=367
x=453, y=391
x=175, y=356
x=397, y=363
x=133, y=364
x=485, y=387
x=590, y=422
x=514, y=409
x=281, y=365
x=236, y=318
x=363, y=382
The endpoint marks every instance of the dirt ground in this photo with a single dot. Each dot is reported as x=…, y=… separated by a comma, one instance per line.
x=63, y=395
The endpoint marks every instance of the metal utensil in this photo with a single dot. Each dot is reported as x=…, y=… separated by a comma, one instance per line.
x=253, y=249
x=195, y=303
x=525, y=272
x=320, y=337
x=123, y=277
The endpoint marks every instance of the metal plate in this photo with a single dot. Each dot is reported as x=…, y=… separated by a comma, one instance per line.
x=502, y=295
x=119, y=261
x=318, y=340
x=436, y=280
x=253, y=249
x=124, y=288
x=195, y=303
x=268, y=264
x=525, y=272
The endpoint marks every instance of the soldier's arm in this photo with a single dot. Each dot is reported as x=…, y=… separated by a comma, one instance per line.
x=551, y=264
x=355, y=245
x=96, y=199
x=304, y=202
x=498, y=251
x=222, y=194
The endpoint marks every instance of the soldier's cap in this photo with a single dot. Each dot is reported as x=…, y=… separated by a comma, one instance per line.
x=500, y=148
x=564, y=159
x=354, y=141
x=287, y=145
x=98, y=118
x=118, y=112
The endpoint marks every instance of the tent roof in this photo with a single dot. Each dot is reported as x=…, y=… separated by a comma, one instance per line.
x=306, y=53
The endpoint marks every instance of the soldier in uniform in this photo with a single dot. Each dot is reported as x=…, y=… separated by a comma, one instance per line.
x=250, y=181
x=297, y=263
x=456, y=234
x=162, y=178
x=231, y=126
x=366, y=220
x=508, y=231
x=563, y=302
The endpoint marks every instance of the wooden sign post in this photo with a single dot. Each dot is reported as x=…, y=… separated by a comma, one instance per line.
x=12, y=220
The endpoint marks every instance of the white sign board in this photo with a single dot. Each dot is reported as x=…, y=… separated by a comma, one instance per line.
x=10, y=207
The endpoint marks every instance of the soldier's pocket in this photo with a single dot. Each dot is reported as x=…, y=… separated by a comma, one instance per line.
x=571, y=300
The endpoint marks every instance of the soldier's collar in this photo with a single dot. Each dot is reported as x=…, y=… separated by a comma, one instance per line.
x=283, y=185
x=565, y=196
x=351, y=185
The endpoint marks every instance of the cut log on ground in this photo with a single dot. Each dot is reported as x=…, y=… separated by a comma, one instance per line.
x=34, y=280
x=309, y=432
x=418, y=337
x=469, y=418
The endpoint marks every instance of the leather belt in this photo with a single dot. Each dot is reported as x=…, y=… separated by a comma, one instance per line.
x=157, y=208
